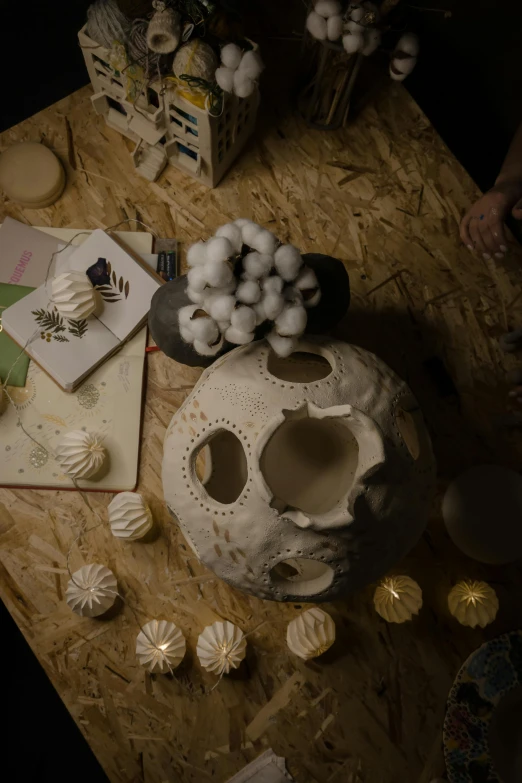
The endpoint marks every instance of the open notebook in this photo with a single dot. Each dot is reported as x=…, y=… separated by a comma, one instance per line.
x=108, y=403
x=69, y=350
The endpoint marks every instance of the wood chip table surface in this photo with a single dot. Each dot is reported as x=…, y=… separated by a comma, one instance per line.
x=385, y=195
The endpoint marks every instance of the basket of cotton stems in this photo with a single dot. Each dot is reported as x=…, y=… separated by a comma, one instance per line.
x=243, y=284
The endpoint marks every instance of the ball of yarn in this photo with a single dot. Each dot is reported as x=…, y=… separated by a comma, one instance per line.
x=106, y=23
x=197, y=59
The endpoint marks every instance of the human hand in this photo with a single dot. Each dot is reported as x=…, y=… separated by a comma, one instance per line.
x=482, y=228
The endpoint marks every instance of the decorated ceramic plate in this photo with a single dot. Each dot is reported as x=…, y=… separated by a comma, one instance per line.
x=483, y=724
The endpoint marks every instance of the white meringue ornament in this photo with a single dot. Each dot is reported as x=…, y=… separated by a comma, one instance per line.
x=129, y=516
x=80, y=454
x=310, y=634
x=160, y=647
x=221, y=647
x=92, y=590
x=73, y=295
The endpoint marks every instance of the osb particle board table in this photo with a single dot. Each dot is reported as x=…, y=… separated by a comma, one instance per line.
x=385, y=195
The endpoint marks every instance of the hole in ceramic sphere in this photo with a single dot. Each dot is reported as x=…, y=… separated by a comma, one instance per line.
x=302, y=576
x=221, y=467
x=310, y=464
x=299, y=367
x=408, y=429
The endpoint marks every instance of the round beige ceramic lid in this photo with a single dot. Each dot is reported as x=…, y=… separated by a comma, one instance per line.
x=31, y=174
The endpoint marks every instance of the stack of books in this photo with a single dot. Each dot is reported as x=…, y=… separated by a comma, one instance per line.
x=81, y=376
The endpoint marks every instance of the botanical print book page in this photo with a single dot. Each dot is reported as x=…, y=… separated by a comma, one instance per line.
x=108, y=403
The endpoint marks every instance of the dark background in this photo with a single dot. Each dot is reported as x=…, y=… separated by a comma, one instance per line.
x=469, y=83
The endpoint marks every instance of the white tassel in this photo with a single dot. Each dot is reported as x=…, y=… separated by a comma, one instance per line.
x=197, y=254
x=292, y=321
x=283, y=346
x=288, y=262
x=248, y=292
x=257, y=265
x=225, y=79
x=316, y=26
x=233, y=234
x=243, y=319
x=231, y=56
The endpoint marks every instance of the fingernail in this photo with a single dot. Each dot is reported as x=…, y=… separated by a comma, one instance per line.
x=503, y=248
x=499, y=255
x=486, y=256
x=470, y=247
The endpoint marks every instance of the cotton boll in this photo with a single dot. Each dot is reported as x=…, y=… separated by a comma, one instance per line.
x=220, y=306
x=292, y=321
x=204, y=329
x=251, y=65
x=316, y=26
x=238, y=337
x=186, y=334
x=371, y=8
x=409, y=44
x=244, y=319
x=257, y=265
x=355, y=12
x=334, y=27
x=243, y=84
x=219, y=249
x=306, y=279
x=273, y=285
x=372, y=39
x=195, y=296
x=264, y=242
x=292, y=295
x=273, y=305
x=233, y=234
x=352, y=42
x=403, y=65
x=259, y=309
x=248, y=292
x=231, y=56
x=197, y=254
x=355, y=27
x=225, y=79
x=218, y=273
x=288, y=262
x=242, y=222
x=249, y=232
x=197, y=280
x=208, y=350
x=223, y=326
x=185, y=314
x=282, y=346
x=327, y=8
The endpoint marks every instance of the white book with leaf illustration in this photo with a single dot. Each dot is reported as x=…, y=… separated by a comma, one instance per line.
x=67, y=349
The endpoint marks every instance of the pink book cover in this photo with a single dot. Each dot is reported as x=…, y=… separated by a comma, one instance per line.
x=25, y=253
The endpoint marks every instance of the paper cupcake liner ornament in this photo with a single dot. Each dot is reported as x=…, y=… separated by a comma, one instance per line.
x=397, y=599
x=311, y=634
x=160, y=647
x=73, y=295
x=221, y=647
x=473, y=603
x=92, y=591
x=80, y=454
x=129, y=516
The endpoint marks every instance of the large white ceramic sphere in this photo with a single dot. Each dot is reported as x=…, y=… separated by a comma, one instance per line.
x=318, y=470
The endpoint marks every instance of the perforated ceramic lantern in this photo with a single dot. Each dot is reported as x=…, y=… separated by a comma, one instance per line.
x=301, y=478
